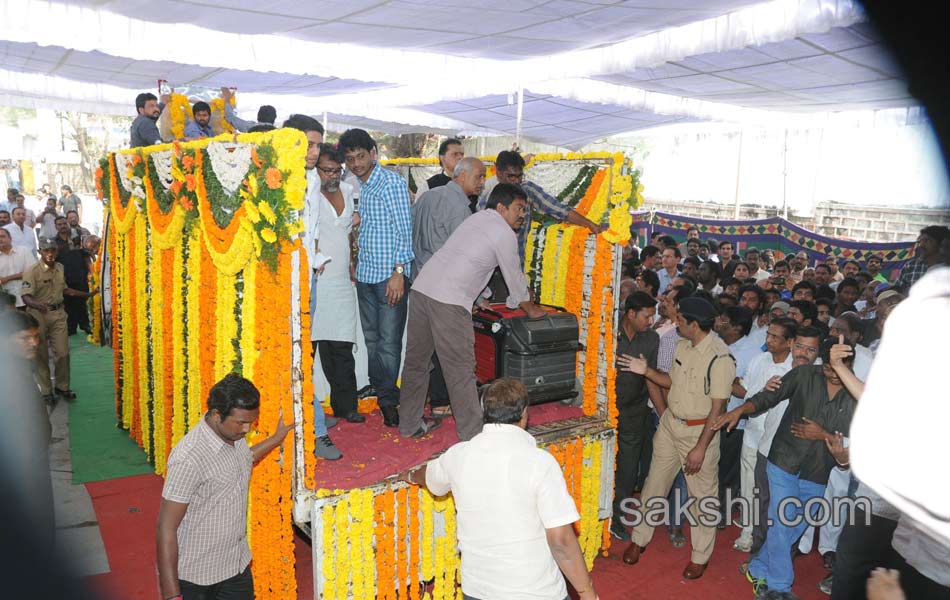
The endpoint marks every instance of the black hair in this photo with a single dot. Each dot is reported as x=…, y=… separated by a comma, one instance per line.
x=651, y=279
x=692, y=228
x=808, y=309
x=200, y=106
x=305, y=123
x=444, y=146
x=142, y=98
x=809, y=331
x=849, y=282
x=821, y=300
x=824, y=291
x=693, y=260
x=505, y=194
x=73, y=212
x=781, y=263
x=18, y=321
x=730, y=281
x=261, y=128
x=59, y=218
x=3, y=210
x=693, y=241
x=676, y=251
x=822, y=265
x=712, y=244
x=805, y=285
x=863, y=275
x=789, y=326
x=669, y=241
x=751, y=250
x=331, y=152
x=759, y=293
x=504, y=401
x=689, y=282
x=851, y=261
x=719, y=306
x=855, y=324
x=266, y=114
x=233, y=392
x=648, y=251
x=824, y=351
x=507, y=159
x=741, y=317
x=937, y=232
x=716, y=268
x=724, y=242
x=700, y=294
x=742, y=262
x=637, y=301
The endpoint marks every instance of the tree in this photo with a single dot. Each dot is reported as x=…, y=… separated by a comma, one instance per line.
x=94, y=137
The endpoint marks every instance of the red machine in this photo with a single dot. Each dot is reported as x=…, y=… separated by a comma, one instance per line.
x=541, y=353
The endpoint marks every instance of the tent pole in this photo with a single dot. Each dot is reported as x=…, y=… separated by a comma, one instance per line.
x=785, y=177
x=738, y=171
x=520, y=113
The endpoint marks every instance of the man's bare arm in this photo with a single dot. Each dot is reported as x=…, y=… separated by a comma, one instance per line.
x=567, y=554
x=170, y=515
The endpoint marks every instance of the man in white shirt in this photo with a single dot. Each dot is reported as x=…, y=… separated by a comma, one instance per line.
x=733, y=326
x=514, y=511
x=898, y=452
x=21, y=234
x=777, y=361
x=13, y=261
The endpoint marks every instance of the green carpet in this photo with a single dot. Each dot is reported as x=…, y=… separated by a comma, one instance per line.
x=100, y=450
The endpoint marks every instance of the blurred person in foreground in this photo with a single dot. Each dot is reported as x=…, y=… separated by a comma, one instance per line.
x=515, y=515
x=905, y=469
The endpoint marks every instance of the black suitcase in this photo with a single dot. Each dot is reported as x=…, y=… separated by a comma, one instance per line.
x=541, y=353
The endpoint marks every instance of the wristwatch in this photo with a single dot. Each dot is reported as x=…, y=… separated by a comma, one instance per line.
x=399, y=269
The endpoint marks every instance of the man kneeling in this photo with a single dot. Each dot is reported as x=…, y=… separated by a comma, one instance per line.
x=514, y=510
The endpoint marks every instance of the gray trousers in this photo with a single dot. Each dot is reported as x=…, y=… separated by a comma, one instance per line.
x=760, y=526
x=447, y=330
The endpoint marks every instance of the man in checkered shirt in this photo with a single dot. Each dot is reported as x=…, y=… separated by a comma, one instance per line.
x=385, y=251
x=203, y=552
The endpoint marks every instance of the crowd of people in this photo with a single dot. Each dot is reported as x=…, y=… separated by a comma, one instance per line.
x=45, y=261
x=739, y=376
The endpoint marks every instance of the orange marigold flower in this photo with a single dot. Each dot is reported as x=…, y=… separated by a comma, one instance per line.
x=177, y=148
x=186, y=203
x=190, y=182
x=273, y=178
x=175, y=187
x=257, y=159
x=99, y=173
x=136, y=159
x=188, y=162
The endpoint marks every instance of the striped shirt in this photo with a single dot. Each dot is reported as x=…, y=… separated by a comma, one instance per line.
x=385, y=237
x=538, y=199
x=211, y=476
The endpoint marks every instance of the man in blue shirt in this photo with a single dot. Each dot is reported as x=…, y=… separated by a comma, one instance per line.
x=200, y=127
x=385, y=251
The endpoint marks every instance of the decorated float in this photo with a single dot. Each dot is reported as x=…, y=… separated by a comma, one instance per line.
x=207, y=277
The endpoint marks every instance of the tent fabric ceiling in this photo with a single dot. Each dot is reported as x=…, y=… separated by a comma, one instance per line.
x=589, y=68
x=476, y=28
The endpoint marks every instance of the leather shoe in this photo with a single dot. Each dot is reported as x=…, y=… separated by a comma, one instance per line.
x=355, y=417
x=694, y=571
x=390, y=416
x=632, y=554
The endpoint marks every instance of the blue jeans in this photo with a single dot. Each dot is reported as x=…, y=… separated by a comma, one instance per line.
x=774, y=561
x=383, y=326
x=319, y=418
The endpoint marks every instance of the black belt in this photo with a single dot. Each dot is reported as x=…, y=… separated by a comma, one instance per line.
x=54, y=306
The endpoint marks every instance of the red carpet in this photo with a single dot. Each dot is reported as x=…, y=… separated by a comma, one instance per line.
x=127, y=510
x=372, y=452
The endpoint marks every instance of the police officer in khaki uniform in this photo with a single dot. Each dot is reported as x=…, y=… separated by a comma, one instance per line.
x=700, y=383
x=43, y=287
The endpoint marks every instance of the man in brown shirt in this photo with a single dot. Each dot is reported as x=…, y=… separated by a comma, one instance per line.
x=203, y=552
x=42, y=288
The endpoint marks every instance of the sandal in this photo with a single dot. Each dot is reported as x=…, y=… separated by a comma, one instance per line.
x=68, y=394
x=440, y=412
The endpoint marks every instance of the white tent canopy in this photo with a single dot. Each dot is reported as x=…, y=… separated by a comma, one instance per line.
x=586, y=69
